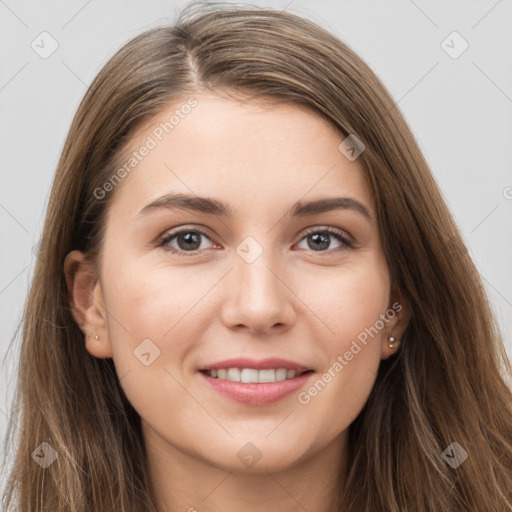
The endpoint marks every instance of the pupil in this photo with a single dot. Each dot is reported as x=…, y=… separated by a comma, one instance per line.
x=190, y=238
x=317, y=239
x=193, y=238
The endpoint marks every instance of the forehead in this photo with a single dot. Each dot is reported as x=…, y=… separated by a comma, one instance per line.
x=241, y=152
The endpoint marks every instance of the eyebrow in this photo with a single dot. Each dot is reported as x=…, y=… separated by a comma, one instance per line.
x=215, y=207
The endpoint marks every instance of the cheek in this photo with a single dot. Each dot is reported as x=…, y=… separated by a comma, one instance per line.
x=157, y=310
x=175, y=307
x=150, y=335
x=351, y=306
x=349, y=303
x=150, y=299
x=172, y=306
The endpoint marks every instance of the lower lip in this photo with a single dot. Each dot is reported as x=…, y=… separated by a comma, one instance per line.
x=257, y=394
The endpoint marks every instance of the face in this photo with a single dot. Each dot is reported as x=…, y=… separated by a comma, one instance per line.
x=257, y=281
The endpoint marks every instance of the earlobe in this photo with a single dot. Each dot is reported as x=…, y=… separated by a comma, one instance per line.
x=86, y=301
x=98, y=347
x=391, y=344
x=396, y=327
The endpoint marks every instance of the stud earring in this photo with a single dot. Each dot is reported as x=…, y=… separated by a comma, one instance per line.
x=392, y=341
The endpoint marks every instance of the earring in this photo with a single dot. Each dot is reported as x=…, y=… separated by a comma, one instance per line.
x=95, y=337
x=392, y=341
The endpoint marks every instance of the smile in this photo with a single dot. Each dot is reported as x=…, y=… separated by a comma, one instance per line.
x=262, y=388
x=253, y=376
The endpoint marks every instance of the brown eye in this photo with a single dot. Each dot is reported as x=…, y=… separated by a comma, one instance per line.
x=318, y=240
x=187, y=240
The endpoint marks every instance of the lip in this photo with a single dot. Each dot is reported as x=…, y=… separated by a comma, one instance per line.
x=257, y=394
x=263, y=364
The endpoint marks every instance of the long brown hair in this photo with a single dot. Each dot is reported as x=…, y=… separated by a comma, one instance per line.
x=445, y=384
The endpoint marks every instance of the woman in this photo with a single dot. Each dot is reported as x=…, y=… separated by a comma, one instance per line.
x=254, y=367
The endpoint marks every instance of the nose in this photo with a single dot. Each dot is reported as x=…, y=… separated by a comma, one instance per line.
x=257, y=297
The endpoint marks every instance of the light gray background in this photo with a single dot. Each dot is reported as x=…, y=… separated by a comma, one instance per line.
x=458, y=108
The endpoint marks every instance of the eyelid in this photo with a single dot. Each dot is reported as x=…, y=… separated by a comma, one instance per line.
x=343, y=236
x=332, y=231
x=176, y=231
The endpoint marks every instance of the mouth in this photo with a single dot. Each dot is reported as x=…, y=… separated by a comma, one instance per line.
x=253, y=375
x=256, y=383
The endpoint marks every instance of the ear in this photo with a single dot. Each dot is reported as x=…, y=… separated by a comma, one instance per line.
x=398, y=314
x=87, y=304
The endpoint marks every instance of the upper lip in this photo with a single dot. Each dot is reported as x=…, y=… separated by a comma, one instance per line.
x=262, y=364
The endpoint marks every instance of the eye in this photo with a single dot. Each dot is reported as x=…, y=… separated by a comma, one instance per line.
x=188, y=240
x=320, y=239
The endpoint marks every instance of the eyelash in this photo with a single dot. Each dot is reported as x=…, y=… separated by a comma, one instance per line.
x=340, y=235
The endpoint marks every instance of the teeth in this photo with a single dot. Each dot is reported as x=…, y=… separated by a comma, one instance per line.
x=233, y=375
x=267, y=376
x=249, y=376
x=281, y=374
x=252, y=376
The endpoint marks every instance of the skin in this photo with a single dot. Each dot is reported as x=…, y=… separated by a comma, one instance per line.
x=297, y=300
